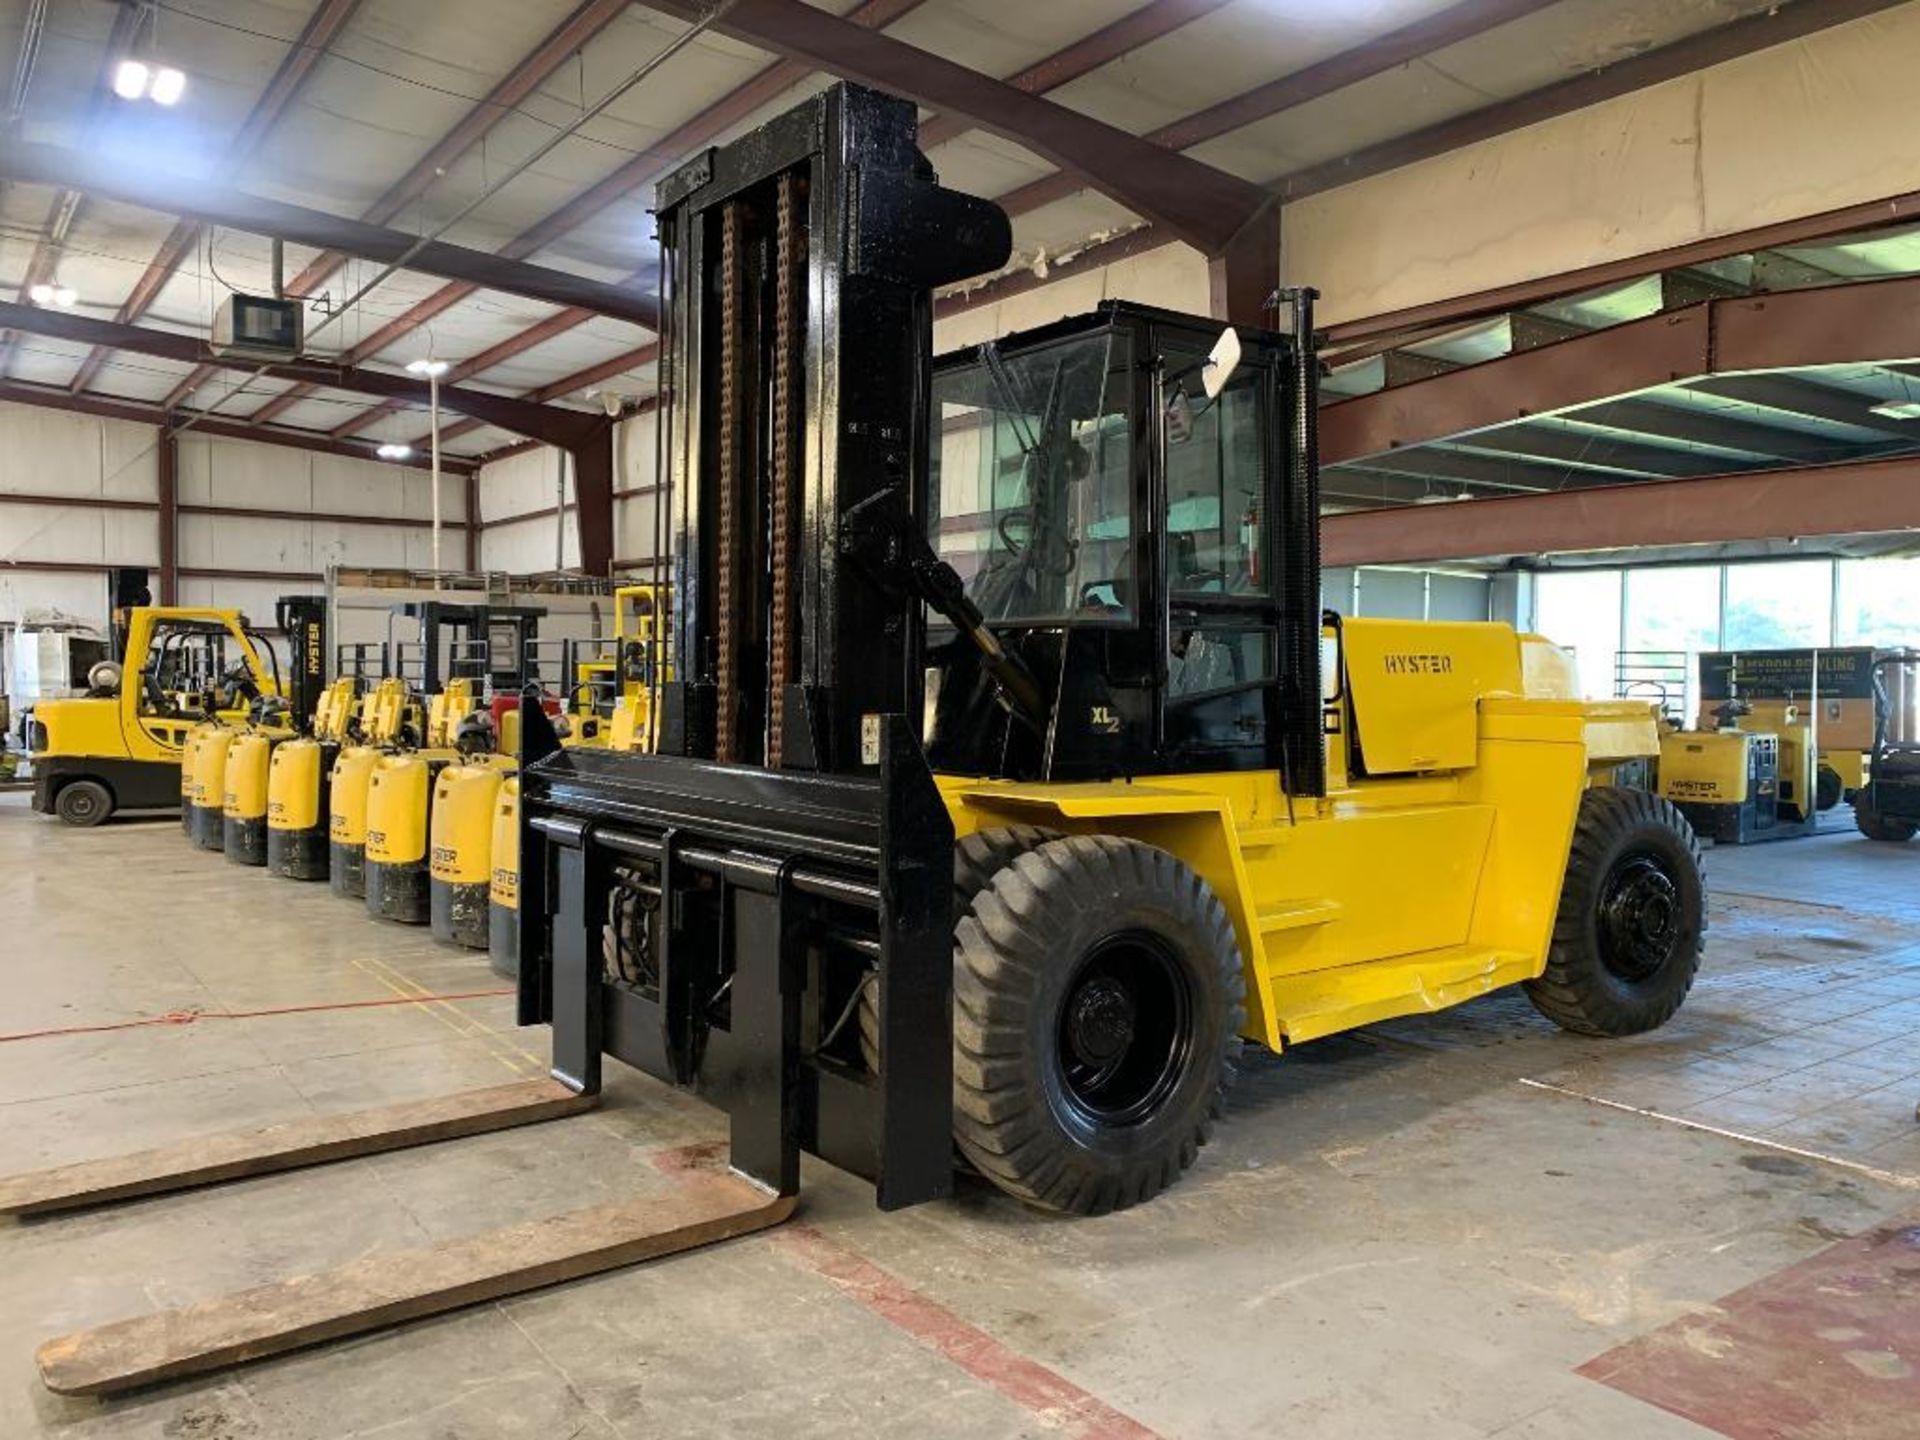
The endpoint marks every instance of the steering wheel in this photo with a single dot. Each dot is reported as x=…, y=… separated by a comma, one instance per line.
x=156, y=697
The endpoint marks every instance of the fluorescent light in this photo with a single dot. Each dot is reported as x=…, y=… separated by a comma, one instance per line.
x=168, y=86
x=130, y=79
x=391, y=451
x=432, y=369
x=41, y=294
x=45, y=294
x=1898, y=409
x=63, y=296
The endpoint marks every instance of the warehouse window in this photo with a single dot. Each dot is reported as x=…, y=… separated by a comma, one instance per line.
x=1580, y=609
x=1878, y=603
x=1779, y=606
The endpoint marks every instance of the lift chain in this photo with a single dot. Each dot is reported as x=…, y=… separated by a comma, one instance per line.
x=788, y=291
x=727, y=578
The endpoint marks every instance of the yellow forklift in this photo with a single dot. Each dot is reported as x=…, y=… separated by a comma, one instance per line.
x=177, y=669
x=1887, y=805
x=1010, y=779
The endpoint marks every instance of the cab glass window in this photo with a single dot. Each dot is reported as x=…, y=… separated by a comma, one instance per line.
x=1033, y=481
x=1216, y=481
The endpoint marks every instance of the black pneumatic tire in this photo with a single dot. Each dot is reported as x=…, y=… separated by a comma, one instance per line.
x=1875, y=826
x=1828, y=788
x=1098, y=1000
x=83, y=802
x=1632, y=919
x=976, y=860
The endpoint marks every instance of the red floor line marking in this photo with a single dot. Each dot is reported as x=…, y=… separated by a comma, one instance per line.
x=188, y=1017
x=1044, y=1393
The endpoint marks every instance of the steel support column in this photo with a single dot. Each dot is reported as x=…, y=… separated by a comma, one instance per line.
x=593, y=495
x=168, y=517
x=1246, y=274
x=473, y=521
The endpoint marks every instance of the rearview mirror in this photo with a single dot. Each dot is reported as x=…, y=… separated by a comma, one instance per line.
x=1222, y=361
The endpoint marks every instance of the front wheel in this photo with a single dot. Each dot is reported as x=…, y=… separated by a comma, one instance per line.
x=1632, y=919
x=1875, y=826
x=1097, y=1007
x=83, y=802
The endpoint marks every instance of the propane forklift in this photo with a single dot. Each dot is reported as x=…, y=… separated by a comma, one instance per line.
x=1009, y=776
x=175, y=669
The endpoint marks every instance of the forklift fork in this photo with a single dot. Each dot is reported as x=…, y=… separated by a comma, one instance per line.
x=396, y=1287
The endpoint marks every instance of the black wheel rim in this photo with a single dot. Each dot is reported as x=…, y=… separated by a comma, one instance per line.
x=1125, y=1030
x=1640, y=917
x=80, y=805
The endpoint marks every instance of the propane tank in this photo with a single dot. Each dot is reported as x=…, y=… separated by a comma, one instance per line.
x=460, y=849
x=398, y=791
x=243, y=810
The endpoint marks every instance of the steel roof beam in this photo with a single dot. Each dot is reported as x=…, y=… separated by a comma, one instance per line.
x=1710, y=346
x=199, y=422
x=1375, y=57
x=1197, y=203
x=43, y=264
x=1742, y=435
x=539, y=422
x=193, y=198
x=566, y=39
x=1864, y=497
x=328, y=19
x=1085, y=55
x=634, y=174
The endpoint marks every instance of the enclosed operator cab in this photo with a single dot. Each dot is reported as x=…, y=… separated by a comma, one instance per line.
x=119, y=747
x=1106, y=514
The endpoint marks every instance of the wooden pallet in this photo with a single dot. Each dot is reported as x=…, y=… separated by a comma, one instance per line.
x=391, y=1289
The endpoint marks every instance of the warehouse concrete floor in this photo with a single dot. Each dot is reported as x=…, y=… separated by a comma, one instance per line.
x=1462, y=1225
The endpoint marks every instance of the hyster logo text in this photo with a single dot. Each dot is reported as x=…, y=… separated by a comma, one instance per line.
x=1419, y=664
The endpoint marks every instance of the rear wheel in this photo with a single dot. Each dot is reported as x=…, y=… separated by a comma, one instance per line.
x=1097, y=1008
x=83, y=802
x=1829, y=789
x=1632, y=919
x=1875, y=826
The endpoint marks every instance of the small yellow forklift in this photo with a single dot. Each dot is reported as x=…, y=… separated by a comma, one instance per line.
x=120, y=746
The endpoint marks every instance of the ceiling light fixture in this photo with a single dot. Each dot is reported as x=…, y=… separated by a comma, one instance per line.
x=1898, y=409
x=130, y=79
x=431, y=369
x=137, y=80
x=392, y=451
x=60, y=295
x=169, y=85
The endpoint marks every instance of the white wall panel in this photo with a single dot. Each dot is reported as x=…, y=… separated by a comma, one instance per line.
x=231, y=542
x=633, y=520
x=526, y=547
x=1174, y=276
x=254, y=598
x=50, y=452
x=26, y=592
x=81, y=535
x=521, y=483
x=1793, y=130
